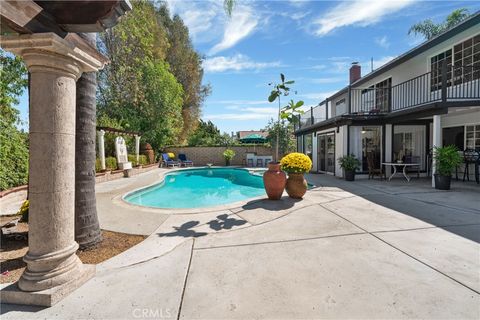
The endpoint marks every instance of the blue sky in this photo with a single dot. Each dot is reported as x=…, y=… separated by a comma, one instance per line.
x=311, y=42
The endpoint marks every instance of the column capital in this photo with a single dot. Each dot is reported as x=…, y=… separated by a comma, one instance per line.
x=50, y=53
x=101, y=132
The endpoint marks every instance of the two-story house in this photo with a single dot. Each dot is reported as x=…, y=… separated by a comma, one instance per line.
x=428, y=96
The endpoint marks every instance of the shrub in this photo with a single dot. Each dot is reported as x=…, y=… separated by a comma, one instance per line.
x=349, y=163
x=24, y=211
x=228, y=154
x=98, y=165
x=296, y=162
x=446, y=159
x=111, y=163
x=142, y=159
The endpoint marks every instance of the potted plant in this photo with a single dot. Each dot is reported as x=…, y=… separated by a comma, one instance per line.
x=228, y=154
x=446, y=160
x=296, y=164
x=349, y=164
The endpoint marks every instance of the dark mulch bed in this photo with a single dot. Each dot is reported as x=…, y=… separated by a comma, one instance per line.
x=12, y=249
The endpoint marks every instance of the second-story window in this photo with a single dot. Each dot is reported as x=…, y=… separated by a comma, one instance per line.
x=383, y=95
x=436, y=63
x=466, y=60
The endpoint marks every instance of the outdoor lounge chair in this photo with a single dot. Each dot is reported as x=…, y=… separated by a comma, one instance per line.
x=169, y=162
x=184, y=161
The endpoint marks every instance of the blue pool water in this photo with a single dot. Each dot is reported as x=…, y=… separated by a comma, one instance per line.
x=196, y=188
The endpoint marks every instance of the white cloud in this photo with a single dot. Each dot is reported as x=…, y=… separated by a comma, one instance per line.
x=237, y=62
x=201, y=18
x=377, y=63
x=383, y=42
x=236, y=103
x=357, y=12
x=317, y=95
x=248, y=113
x=298, y=3
x=242, y=23
x=328, y=80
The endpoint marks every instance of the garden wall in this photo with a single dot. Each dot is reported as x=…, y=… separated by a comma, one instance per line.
x=203, y=155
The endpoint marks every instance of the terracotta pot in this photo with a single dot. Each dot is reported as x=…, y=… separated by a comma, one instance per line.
x=274, y=181
x=296, y=185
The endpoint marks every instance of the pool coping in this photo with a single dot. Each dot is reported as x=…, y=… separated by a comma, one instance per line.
x=118, y=199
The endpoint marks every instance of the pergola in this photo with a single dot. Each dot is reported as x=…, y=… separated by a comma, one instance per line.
x=101, y=142
x=41, y=33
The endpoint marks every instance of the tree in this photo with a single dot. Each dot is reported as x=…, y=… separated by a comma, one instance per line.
x=186, y=65
x=87, y=226
x=287, y=112
x=206, y=134
x=430, y=29
x=284, y=131
x=153, y=83
x=13, y=142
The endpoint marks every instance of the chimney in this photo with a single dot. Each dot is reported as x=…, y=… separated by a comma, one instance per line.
x=355, y=72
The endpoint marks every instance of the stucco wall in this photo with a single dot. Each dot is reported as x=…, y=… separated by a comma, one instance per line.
x=203, y=155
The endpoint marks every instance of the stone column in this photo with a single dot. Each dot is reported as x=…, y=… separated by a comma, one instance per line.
x=137, y=147
x=437, y=141
x=53, y=269
x=101, y=148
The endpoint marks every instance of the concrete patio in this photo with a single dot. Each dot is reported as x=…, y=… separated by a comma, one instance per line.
x=363, y=249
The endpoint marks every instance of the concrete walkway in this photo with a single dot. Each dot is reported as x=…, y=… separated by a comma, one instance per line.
x=363, y=249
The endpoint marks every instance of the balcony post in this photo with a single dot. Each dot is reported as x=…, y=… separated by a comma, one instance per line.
x=444, y=81
x=326, y=109
x=437, y=142
x=349, y=100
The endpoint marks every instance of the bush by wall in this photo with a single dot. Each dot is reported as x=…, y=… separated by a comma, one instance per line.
x=111, y=162
x=142, y=159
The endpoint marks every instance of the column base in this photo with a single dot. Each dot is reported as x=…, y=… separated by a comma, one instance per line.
x=46, y=298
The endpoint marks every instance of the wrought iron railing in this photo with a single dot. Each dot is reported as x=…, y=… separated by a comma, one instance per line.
x=462, y=83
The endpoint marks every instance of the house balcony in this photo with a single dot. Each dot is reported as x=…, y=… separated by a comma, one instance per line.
x=462, y=88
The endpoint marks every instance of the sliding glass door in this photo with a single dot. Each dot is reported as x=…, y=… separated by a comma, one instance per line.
x=326, y=152
x=366, y=141
x=409, y=144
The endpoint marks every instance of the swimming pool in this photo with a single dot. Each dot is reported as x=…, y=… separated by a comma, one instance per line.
x=198, y=188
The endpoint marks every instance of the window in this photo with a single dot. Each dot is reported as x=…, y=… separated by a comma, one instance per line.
x=436, y=63
x=368, y=99
x=472, y=137
x=454, y=136
x=383, y=95
x=307, y=145
x=365, y=141
x=409, y=144
x=340, y=107
x=466, y=60
x=300, y=144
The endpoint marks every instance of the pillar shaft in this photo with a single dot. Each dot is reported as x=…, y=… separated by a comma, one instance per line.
x=101, y=148
x=54, y=65
x=437, y=142
x=137, y=148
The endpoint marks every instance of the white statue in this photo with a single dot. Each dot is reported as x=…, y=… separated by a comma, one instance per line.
x=122, y=155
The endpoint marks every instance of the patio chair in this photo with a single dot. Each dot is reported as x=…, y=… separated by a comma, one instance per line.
x=169, y=162
x=471, y=156
x=259, y=162
x=372, y=169
x=250, y=162
x=184, y=161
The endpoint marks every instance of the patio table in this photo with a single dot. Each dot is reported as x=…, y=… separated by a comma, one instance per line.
x=397, y=164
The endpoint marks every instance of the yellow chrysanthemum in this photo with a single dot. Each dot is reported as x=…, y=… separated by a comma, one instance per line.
x=296, y=162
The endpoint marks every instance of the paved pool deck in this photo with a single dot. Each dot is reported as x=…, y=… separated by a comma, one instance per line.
x=363, y=249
